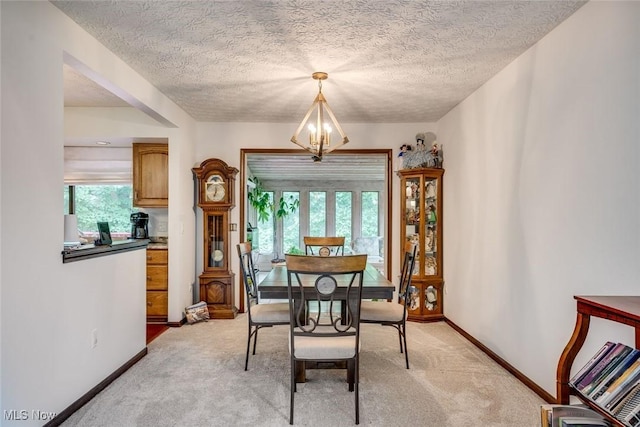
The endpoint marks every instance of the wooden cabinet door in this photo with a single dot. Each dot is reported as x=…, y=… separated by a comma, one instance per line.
x=157, y=284
x=157, y=304
x=150, y=175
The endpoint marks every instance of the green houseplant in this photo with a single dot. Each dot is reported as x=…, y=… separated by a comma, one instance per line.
x=267, y=209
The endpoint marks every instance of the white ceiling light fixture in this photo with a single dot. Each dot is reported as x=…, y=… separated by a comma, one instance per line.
x=103, y=143
x=319, y=126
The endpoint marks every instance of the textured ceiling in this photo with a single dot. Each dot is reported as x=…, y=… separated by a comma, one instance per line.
x=251, y=60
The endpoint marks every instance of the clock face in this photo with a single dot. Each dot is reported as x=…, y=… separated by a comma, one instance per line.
x=218, y=255
x=215, y=189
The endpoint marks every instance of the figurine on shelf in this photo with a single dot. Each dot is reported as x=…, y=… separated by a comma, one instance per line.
x=432, y=218
x=429, y=242
x=430, y=265
x=411, y=216
x=420, y=142
x=404, y=149
x=436, y=155
x=430, y=190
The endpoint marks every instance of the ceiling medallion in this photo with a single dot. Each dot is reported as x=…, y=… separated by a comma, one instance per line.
x=318, y=126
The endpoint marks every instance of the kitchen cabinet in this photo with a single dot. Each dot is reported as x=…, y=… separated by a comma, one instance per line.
x=150, y=175
x=157, y=284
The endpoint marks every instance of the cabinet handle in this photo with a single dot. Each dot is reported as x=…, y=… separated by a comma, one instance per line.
x=148, y=278
x=149, y=304
x=149, y=257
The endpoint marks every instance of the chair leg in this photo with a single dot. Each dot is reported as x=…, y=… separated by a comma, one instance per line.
x=406, y=349
x=246, y=360
x=351, y=374
x=400, y=333
x=357, y=387
x=255, y=340
x=293, y=389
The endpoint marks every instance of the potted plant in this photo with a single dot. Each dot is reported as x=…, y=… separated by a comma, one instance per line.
x=267, y=209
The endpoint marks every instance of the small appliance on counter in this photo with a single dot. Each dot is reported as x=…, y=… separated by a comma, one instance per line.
x=139, y=225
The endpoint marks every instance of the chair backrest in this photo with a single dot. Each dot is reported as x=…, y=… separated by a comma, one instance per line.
x=248, y=272
x=324, y=246
x=325, y=279
x=407, y=272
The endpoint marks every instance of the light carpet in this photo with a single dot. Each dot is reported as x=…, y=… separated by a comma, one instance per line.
x=194, y=376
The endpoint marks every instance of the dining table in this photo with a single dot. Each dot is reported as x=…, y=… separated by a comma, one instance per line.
x=275, y=286
x=374, y=285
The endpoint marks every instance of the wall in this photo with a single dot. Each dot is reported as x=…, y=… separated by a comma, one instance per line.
x=48, y=309
x=542, y=197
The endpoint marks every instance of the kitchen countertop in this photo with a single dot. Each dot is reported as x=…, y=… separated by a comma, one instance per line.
x=92, y=251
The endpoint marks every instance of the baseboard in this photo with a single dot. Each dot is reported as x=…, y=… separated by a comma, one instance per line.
x=500, y=361
x=177, y=324
x=66, y=413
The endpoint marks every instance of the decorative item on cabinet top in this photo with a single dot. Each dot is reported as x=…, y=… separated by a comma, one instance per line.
x=427, y=153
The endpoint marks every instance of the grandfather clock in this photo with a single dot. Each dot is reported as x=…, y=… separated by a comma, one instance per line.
x=216, y=198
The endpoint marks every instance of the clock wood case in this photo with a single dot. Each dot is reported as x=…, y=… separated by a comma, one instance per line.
x=216, y=183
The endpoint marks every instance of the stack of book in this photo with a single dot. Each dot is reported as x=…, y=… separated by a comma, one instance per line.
x=570, y=416
x=611, y=381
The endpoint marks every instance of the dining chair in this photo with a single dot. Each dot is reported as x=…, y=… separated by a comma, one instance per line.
x=325, y=336
x=324, y=246
x=258, y=315
x=392, y=313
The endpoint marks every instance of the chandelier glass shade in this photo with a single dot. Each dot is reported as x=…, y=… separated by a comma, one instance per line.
x=320, y=126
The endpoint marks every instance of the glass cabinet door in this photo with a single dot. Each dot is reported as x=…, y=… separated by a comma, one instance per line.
x=430, y=226
x=216, y=242
x=413, y=214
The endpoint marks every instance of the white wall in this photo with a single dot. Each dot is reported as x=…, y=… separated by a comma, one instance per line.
x=48, y=308
x=542, y=198
x=105, y=123
x=224, y=141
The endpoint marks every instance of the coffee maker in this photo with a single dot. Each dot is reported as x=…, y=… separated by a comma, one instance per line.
x=139, y=225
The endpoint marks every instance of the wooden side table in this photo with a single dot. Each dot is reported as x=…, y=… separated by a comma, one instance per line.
x=621, y=309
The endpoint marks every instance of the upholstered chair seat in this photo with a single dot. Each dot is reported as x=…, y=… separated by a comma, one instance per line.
x=270, y=313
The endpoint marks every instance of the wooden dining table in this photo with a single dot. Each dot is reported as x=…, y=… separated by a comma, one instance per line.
x=374, y=285
x=275, y=286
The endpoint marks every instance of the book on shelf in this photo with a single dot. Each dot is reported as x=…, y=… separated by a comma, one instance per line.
x=602, y=368
x=633, y=417
x=550, y=414
x=630, y=415
x=615, y=373
x=591, y=363
x=627, y=404
x=583, y=422
x=620, y=385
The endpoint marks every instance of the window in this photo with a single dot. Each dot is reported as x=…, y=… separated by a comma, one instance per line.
x=370, y=225
x=291, y=224
x=343, y=215
x=317, y=213
x=110, y=203
x=266, y=231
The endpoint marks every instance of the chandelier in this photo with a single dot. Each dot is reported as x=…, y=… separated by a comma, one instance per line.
x=319, y=126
